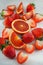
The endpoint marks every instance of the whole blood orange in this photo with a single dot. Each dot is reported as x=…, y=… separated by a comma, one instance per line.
x=15, y=40
x=20, y=26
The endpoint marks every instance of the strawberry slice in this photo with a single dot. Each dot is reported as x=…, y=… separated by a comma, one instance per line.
x=38, y=18
x=30, y=7
x=28, y=15
x=11, y=7
x=5, y=13
x=29, y=48
x=5, y=33
x=37, y=32
x=9, y=51
x=32, y=23
x=39, y=44
x=21, y=57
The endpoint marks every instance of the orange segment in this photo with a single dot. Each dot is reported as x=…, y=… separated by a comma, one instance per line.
x=20, y=26
x=15, y=40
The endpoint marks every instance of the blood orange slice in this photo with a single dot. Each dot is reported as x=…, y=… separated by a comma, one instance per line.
x=20, y=8
x=15, y=40
x=20, y=26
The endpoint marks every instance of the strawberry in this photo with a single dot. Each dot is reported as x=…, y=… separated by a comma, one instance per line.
x=28, y=37
x=7, y=22
x=5, y=13
x=32, y=23
x=30, y=7
x=11, y=7
x=37, y=32
x=28, y=15
x=15, y=16
x=37, y=18
x=2, y=42
x=39, y=44
x=29, y=48
x=5, y=33
x=9, y=51
x=21, y=57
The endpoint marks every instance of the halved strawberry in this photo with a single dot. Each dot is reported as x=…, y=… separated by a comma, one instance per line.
x=7, y=22
x=38, y=18
x=32, y=23
x=30, y=7
x=5, y=13
x=39, y=44
x=29, y=48
x=21, y=57
x=9, y=51
x=11, y=7
x=5, y=33
x=28, y=15
x=37, y=32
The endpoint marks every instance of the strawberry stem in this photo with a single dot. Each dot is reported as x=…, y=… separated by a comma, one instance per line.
x=40, y=38
x=32, y=4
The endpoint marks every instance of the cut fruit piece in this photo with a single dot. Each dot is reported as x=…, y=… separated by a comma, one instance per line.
x=38, y=18
x=23, y=17
x=37, y=33
x=21, y=57
x=5, y=33
x=20, y=26
x=2, y=41
x=29, y=48
x=15, y=16
x=7, y=22
x=31, y=23
x=30, y=7
x=5, y=13
x=11, y=7
x=15, y=40
x=39, y=44
x=9, y=51
x=28, y=15
x=28, y=37
x=20, y=9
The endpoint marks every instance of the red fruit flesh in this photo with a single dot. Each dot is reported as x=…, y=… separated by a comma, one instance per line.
x=2, y=41
x=15, y=16
x=28, y=37
x=9, y=51
x=8, y=21
x=21, y=57
x=30, y=7
x=37, y=32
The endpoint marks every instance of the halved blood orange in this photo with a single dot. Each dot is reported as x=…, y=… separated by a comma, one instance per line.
x=20, y=8
x=20, y=26
x=15, y=40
